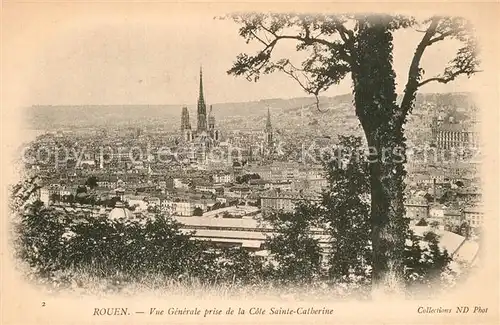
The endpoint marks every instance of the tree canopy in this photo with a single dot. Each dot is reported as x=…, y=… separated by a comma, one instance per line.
x=361, y=45
x=330, y=46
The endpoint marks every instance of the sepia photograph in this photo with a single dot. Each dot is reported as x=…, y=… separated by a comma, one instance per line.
x=209, y=163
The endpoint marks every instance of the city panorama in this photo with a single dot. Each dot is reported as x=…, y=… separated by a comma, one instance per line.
x=323, y=178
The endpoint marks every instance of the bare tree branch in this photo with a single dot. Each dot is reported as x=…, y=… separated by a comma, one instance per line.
x=325, y=66
x=259, y=39
x=441, y=37
x=295, y=77
x=343, y=34
x=310, y=41
x=447, y=79
x=309, y=90
x=414, y=71
x=465, y=62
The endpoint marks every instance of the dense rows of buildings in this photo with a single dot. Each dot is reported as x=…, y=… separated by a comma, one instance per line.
x=206, y=177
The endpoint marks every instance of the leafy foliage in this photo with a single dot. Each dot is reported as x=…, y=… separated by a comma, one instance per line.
x=344, y=213
x=425, y=262
x=362, y=45
x=246, y=178
x=329, y=43
x=346, y=210
x=295, y=252
x=198, y=212
x=91, y=182
x=52, y=241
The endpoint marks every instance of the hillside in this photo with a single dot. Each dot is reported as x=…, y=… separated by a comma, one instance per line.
x=335, y=114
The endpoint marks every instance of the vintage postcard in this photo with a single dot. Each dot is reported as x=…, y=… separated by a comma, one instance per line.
x=224, y=163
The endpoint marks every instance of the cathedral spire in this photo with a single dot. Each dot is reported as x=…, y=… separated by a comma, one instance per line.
x=268, y=132
x=202, y=108
x=201, y=83
x=268, y=122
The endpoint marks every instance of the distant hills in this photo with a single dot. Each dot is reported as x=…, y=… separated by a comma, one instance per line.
x=335, y=114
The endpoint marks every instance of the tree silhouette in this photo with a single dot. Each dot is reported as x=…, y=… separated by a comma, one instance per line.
x=346, y=210
x=198, y=212
x=428, y=197
x=464, y=229
x=81, y=189
x=246, y=178
x=362, y=46
x=296, y=251
x=91, y=182
x=344, y=214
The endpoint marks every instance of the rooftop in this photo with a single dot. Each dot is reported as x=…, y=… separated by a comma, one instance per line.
x=218, y=222
x=120, y=211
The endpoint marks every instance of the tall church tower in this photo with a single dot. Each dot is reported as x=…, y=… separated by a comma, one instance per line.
x=211, y=120
x=186, y=125
x=202, y=108
x=268, y=131
x=214, y=133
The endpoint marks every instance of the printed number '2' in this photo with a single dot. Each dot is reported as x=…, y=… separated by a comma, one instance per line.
x=43, y=303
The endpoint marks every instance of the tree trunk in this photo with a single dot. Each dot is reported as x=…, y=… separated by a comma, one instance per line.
x=375, y=101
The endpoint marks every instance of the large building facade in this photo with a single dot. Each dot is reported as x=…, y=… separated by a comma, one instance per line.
x=286, y=201
x=452, y=132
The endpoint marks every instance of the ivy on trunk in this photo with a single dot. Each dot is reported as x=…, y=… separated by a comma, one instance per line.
x=375, y=102
x=362, y=46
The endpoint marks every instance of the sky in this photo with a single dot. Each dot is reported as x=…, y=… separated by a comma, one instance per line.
x=156, y=61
